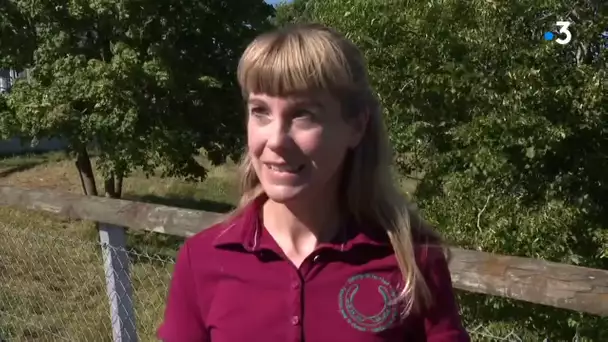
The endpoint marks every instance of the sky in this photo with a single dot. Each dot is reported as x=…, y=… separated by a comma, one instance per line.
x=273, y=2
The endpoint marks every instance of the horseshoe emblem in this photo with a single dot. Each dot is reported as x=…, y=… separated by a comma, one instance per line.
x=375, y=322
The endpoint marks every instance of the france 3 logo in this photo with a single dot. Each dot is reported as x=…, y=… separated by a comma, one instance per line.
x=563, y=35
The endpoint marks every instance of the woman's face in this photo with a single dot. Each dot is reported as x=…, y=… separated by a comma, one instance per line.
x=297, y=144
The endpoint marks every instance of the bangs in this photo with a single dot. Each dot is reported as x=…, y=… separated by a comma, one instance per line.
x=294, y=60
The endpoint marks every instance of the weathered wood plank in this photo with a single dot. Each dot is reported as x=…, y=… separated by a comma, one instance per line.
x=536, y=281
x=135, y=215
x=531, y=280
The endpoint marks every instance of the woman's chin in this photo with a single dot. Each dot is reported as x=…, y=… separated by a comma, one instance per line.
x=284, y=194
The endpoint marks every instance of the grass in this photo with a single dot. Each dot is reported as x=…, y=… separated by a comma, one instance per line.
x=51, y=276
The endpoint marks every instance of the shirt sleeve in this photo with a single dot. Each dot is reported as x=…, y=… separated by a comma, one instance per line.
x=182, y=321
x=442, y=320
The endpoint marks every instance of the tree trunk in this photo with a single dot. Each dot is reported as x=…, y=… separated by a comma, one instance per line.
x=85, y=171
x=118, y=185
x=113, y=185
x=109, y=186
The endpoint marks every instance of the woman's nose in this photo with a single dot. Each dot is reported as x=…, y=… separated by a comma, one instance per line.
x=279, y=135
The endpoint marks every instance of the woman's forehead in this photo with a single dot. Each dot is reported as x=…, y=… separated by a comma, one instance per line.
x=312, y=98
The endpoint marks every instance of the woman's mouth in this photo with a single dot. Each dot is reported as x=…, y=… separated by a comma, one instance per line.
x=285, y=168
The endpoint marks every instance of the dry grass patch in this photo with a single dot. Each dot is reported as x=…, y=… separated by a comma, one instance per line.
x=52, y=284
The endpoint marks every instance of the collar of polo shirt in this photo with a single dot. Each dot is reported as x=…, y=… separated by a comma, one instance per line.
x=247, y=231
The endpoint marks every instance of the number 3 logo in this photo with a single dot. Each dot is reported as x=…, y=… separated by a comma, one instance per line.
x=563, y=29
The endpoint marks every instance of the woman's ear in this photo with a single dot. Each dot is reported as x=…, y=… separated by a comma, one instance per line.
x=359, y=126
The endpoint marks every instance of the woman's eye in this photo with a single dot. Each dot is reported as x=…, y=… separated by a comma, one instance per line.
x=260, y=114
x=258, y=111
x=304, y=114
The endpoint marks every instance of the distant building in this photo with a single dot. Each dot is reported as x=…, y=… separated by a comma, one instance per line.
x=5, y=80
x=8, y=78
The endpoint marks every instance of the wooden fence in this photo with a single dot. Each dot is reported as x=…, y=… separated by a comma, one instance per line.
x=531, y=280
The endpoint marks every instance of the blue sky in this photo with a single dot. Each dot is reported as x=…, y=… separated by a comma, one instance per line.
x=273, y=2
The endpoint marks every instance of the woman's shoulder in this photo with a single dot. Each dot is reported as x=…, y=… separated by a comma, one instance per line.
x=428, y=245
x=430, y=255
x=207, y=239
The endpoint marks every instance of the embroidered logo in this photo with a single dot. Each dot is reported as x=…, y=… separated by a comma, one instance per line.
x=374, y=289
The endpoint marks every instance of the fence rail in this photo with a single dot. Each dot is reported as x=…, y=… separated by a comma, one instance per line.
x=531, y=280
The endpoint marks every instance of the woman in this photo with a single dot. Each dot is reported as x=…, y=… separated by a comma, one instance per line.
x=322, y=246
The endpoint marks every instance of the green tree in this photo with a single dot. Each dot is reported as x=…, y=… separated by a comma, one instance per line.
x=291, y=12
x=146, y=84
x=509, y=130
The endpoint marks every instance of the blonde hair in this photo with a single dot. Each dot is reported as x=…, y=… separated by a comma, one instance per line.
x=309, y=57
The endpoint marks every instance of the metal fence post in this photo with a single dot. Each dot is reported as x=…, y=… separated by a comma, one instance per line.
x=118, y=282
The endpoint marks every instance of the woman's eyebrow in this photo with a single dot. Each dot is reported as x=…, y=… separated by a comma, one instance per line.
x=256, y=102
x=308, y=102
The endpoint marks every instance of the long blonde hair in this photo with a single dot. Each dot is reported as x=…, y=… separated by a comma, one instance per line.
x=313, y=57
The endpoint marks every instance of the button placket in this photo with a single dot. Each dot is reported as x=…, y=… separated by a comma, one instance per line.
x=312, y=266
x=297, y=284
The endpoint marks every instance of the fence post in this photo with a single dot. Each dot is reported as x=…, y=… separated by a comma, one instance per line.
x=118, y=282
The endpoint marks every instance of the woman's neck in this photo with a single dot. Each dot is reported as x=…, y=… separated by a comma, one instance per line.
x=298, y=229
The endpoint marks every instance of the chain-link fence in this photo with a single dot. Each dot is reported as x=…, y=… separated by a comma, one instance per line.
x=53, y=287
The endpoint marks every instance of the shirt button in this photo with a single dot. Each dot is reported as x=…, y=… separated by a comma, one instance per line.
x=295, y=320
x=295, y=285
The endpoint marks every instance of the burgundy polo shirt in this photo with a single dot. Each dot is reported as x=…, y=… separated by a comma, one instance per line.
x=232, y=283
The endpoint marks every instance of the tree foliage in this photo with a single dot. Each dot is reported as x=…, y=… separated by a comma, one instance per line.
x=509, y=130
x=291, y=12
x=147, y=84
